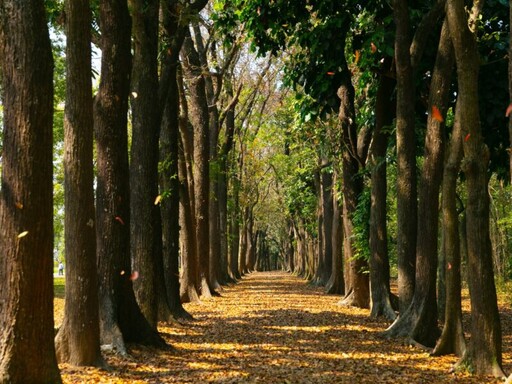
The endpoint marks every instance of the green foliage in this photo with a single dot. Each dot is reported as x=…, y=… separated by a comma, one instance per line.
x=59, y=287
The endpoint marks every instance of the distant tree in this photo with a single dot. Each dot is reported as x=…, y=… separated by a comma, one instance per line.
x=78, y=339
x=27, y=351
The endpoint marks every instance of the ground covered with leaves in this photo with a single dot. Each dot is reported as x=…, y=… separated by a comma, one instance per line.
x=275, y=328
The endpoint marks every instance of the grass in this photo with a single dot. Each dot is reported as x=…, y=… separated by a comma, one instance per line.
x=59, y=287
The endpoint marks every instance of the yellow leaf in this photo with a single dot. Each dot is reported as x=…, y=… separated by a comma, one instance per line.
x=158, y=199
x=22, y=234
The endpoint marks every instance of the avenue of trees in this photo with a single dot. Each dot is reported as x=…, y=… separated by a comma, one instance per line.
x=360, y=145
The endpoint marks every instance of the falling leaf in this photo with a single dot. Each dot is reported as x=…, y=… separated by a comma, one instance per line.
x=22, y=234
x=134, y=276
x=158, y=199
x=467, y=137
x=373, y=47
x=357, y=56
x=134, y=94
x=330, y=73
x=19, y=205
x=120, y=220
x=509, y=110
x=436, y=114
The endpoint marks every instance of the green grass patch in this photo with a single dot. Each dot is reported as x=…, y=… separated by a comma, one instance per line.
x=59, y=287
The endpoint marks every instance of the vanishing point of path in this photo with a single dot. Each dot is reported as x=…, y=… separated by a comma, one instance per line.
x=274, y=328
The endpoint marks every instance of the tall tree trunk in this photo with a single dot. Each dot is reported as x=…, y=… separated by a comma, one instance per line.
x=419, y=321
x=406, y=157
x=452, y=338
x=144, y=227
x=27, y=352
x=198, y=114
x=379, y=259
x=357, y=289
x=78, y=339
x=120, y=317
x=169, y=157
x=484, y=354
x=336, y=285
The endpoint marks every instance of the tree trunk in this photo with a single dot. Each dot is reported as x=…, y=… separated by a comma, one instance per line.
x=419, y=321
x=120, y=317
x=452, y=338
x=198, y=114
x=357, y=290
x=484, y=354
x=27, y=352
x=379, y=259
x=169, y=178
x=78, y=339
x=336, y=285
x=145, y=223
x=406, y=157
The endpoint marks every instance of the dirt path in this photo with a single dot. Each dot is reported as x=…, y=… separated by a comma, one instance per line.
x=274, y=328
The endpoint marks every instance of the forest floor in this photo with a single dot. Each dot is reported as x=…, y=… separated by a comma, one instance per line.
x=272, y=327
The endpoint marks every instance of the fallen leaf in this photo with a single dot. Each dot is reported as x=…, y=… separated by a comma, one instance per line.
x=373, y=47
x=467, y=137
x=357, y=56
x=19, y=205
x=22, y=234
x=122, y=272
x=436, y=114
x=330, y=73
x=120, y=220
x=509, y=110
x=158, y=199
x=134, y=276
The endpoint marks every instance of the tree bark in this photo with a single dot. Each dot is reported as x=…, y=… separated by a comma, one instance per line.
x=406, y=157
x=169, y=178
x=336, y=285
x=484, y=354
x=27, y=352
x=452, y=338
x=120, y=317
x=357, y=290
x=78, y=339
x=419, y=321
x=379, y=260
x=145, y=225
x=198, y=114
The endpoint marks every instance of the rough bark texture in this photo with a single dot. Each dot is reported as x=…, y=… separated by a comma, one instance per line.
x=145, y=223
x=484, y=354
x=357, y=290
x=379, y=259
x=120, y=317
x=452, y=338
x=169, y=156
x=27, y=352
x=406, y=157
x=78, y=339
x=198, y=114
x=336, y=285
x=510, y=89
x=419, y=321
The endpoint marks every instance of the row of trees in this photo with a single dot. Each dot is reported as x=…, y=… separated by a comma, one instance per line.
x=197, y=161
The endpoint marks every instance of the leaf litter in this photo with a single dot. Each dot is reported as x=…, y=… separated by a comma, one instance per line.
x=273, y=327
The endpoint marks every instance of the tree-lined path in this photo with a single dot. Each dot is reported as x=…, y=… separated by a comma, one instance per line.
x=273, y=327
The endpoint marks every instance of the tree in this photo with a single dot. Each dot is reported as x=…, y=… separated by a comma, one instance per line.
x=199, y=118
x=484, y=354
x=145, y=226
x=120, y=317
x=27, y=352
x=78, y=339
